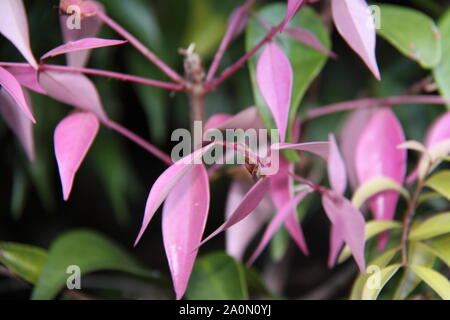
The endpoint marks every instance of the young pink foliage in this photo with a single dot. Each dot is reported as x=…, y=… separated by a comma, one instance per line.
x=336, y=243
x=19, y=123
x=74, y=89
x=81, y=45
x=320, y=149
x=184, y=218
x=351, y=131
x=377, y=155
x=246, y=119
x=10, y=86
x=292, y=7
x=249, y=203
x=274, y=77
x=282, y=192
x=337, y=174
x=166, y=182
x=349, y=223
x=439, y=131
x=14, y=26
x=73, y=138
x=288, y=209
x=308, y=38
x=356, y=25
x=238, y=237
x=27, y=77
x=90, y=27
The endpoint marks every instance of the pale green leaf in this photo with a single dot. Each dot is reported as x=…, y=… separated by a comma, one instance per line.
x=432, y=227
x=24, y=260
x=435, y=280
x=441, y=247
x=440, y=182
x=412, y=32
x=376, y=281
x=380, y=262
x=376, y=185
x=442, y=71
x=373, y=228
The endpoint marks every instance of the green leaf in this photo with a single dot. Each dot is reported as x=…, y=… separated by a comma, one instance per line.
x=432, y=227
x=441, y=247
x=89, y=251
x=412, y=32
x=372, y=229
x=279, y=244
x=373, y=186
x=435, y=280
x=376, y=281
x=381, y=262
x=24, y=260
x=442, y=71
x=217, y=276
x=440, y=182
x=418, y=255
x=306, y=62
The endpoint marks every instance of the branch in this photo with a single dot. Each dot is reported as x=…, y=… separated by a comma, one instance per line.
x=234, y=24
x=139, y=141
x=140, y=47
x=102, y=73
x=373, y=102
x=238, y=64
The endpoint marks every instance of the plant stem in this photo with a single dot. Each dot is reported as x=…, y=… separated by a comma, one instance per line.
x=407, y=219
x=139, y=141
x=140, y=47
x=211, y=85
x=115, y=75
x=230, y=33
x=373, y=102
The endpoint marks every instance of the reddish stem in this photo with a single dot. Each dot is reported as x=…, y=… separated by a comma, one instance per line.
x=373, y=102
x=139, y=141
x=172, y=74
x=241, y=13
x=211, y=85
x=102, y=73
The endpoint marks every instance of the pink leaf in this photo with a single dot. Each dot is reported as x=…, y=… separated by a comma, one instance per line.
x=73, y=138
x=14, y=26
x=74, y=89
x=238, y=237
x=281, y=216
x=80, y=45
x=249, y=203
x=282, y=191
x=10, y=86
x=246, y=119
x=292, y=7
x=336, y=243
x=355, y=23
x=274, y=77
x=337, y=174
x=27, y=77
x=166, y=182
x=90, y=26
x=18, y=122
x=351, y=131
x=320, y=149
x=349, y=224
x=439, y=131
x=184, y=218
x=308, y=38
x=377, y=155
